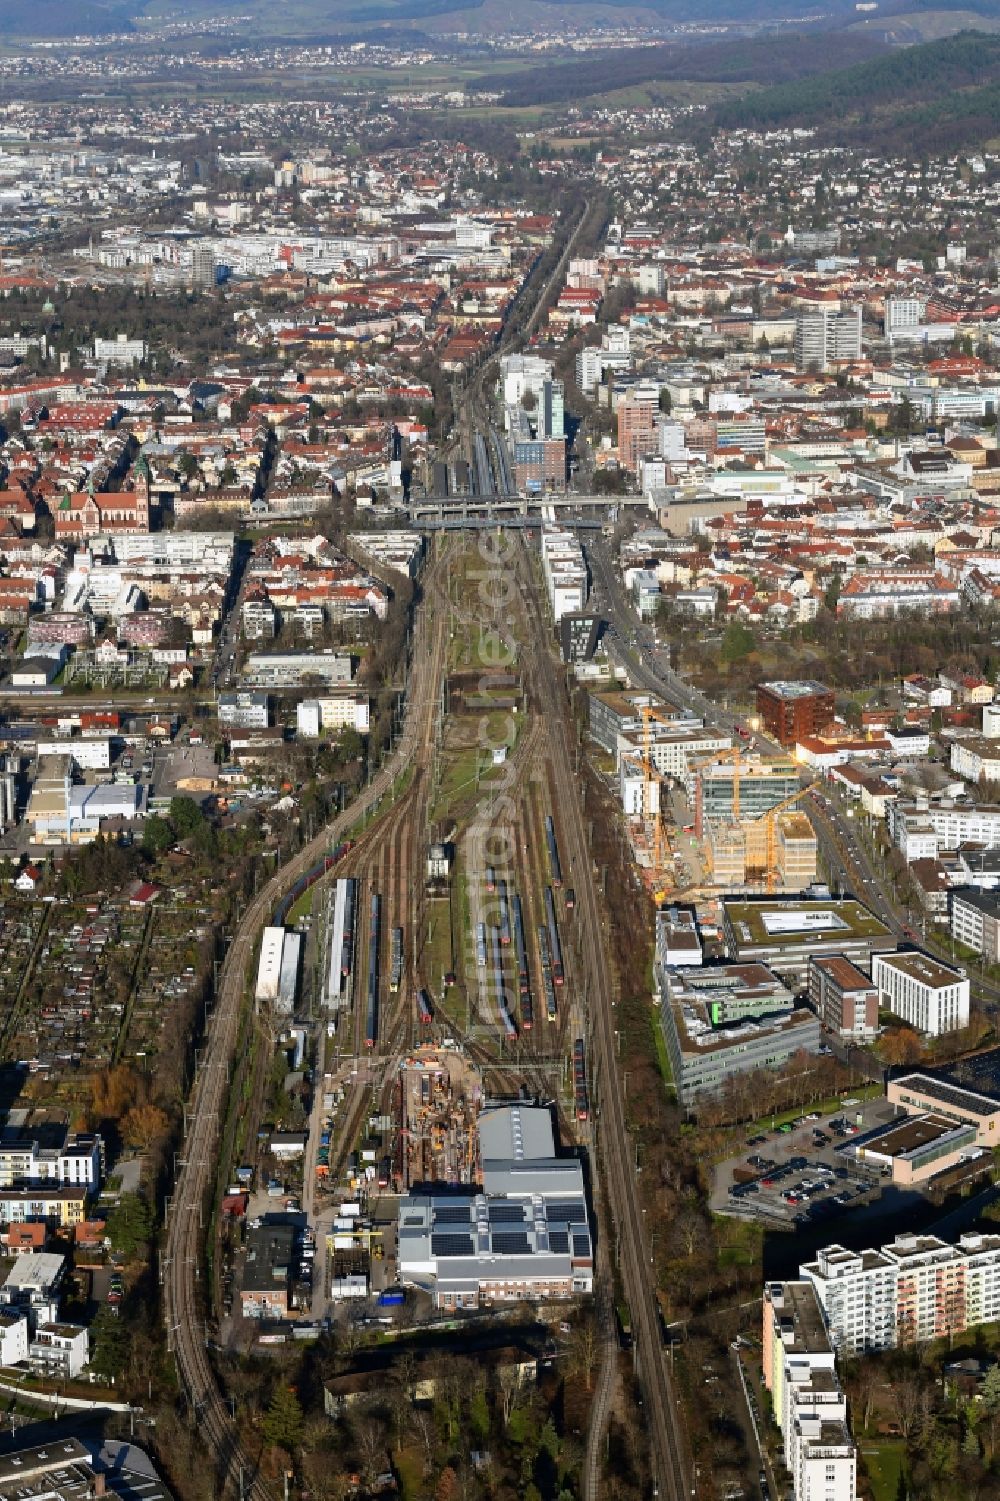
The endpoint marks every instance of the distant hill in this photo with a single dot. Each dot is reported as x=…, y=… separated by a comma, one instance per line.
x=327, y=18
x=55, y=18
x=941, y=96
x=764, y=60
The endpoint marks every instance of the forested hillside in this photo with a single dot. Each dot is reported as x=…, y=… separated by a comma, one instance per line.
x=766, y=60
x=948, y=89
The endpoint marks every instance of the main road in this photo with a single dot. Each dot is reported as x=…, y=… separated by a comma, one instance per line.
x=182, y=1257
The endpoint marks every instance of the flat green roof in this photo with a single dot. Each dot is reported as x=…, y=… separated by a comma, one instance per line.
x=855, y=921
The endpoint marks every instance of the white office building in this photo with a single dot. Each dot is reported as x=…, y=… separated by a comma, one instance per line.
x=932, y=997
x=341, y=711
x=119, y=351
x=245, y=710
x=89, y=753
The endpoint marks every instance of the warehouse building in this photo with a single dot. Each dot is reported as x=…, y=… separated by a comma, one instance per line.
x=525, y=1234
x=269, y=966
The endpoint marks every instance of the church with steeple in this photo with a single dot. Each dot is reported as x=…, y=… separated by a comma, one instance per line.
x=83, y=514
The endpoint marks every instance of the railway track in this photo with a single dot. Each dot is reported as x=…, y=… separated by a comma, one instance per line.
x=668, y=1454
x=180, y=1267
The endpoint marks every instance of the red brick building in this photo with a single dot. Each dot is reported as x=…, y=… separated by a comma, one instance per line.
x=792, y=711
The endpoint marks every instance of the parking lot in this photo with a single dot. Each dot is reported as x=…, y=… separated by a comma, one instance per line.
x=802, y=1172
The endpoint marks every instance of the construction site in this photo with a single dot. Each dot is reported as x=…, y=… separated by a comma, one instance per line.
x=706, y=817
x=440, y=1097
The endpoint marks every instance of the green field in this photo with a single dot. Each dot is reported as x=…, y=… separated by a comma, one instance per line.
x=885, y=1466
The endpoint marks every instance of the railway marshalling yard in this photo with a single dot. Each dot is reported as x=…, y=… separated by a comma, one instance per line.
x=490, y=946
x=485, y=598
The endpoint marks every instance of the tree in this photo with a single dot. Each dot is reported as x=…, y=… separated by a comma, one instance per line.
x=130, y=1225
x=282, y=1425
x=737, y=642
x=114, y=1091
x=157, y=836
x=479, y=1416
x=447, y=1486
x=108, y=1344
x=143, y=1125
x=666, y=402
x=186, y=816
x=989, y=1395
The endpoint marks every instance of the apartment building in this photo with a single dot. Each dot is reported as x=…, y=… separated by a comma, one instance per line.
x=809, y=1405
x=975, y=922
x=638, y=417
x=976, y=758
x=921, y=832
x=825, y=337
x=884, y=593
x=932, y=997
x=59, y=1351
x=916, y=1289
x=846, y=1000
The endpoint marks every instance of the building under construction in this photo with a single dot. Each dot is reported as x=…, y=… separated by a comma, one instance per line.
x=744, y=808
x=440, y=1097
x=751, y=853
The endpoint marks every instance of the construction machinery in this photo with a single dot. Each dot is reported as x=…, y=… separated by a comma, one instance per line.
x=770, y=822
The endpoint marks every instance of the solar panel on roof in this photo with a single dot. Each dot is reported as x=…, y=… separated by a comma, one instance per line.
x=565, y=1212
x=511, y=1243
x=581, y=1245
x=559, y=1242
x=506, y=1214
x=451, y=1214
x=451, y=1245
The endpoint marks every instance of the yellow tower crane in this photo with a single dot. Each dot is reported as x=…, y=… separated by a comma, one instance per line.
x=770, y=822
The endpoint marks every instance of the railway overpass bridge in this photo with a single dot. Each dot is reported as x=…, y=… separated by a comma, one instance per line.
x=526, y=510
